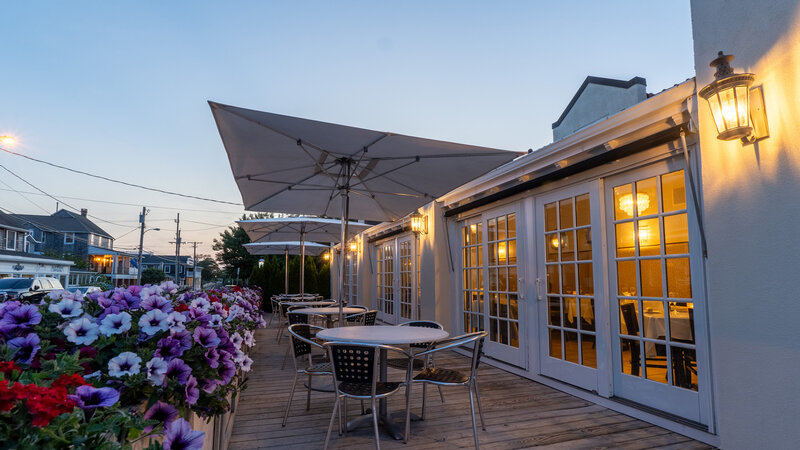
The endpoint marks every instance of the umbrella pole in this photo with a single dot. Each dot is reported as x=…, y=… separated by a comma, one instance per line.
x=286, y=272
x=345, y=218
x=302, y=261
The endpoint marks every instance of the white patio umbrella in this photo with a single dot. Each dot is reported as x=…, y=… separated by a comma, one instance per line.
x=286, y=248
x=316, y=229
x=293, y=165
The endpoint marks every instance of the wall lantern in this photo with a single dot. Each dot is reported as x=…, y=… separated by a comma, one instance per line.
x=354, y=246
x=737, y=109
x=261, y=263
x=326, y=256
x=419, y=223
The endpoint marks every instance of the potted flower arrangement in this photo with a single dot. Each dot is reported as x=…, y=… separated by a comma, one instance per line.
x=122, y=367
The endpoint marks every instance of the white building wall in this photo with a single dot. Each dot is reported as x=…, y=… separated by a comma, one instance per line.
x=752, y=209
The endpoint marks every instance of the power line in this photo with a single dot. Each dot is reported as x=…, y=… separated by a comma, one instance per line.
x=54, y=198
x=23, y=196
x=128, y=204
x=47, y=227
x=118, y=181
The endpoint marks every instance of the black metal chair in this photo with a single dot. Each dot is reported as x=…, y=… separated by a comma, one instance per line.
x=366, y=318
x=302, y=345
x=631, y=320
x=275, y=302
x=448, y=377
x=355, y=375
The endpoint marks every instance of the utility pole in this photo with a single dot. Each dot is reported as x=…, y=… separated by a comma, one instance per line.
x=194, y=266
x=177, y=249
x=141, y=243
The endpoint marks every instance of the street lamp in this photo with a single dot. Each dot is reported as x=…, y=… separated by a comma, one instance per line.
x=139, y=259
x=7, y=140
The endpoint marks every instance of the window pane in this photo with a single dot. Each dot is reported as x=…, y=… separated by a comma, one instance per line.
x=650, y=272
x=582, y=211
x=554, y=306
x=492, y=279
x=681, y=322
x=502, y=279
x=585, y=279
x=568, y=279
x=513, y=328
x=623, y=202
x=571, y=347
x=512, y=279
x=673, y=191
x=491, y=227
x=629, y=317
x=647, y=197
x=513, y=307
x=656, y=368
x=551, y=243
x=684, y=368
x=512, y=225
x=553, y=280
x=625, y=240
x=589, y=351
x=501, y=227
x=570, y=313
x=653, y=318
x=555, y=343
x=649, y=237
x=478, y=238
x=679, y=278
x=501, y=253
x=626, y=278
x=630, y=356
x=550, y=220
x=567, y=244
x=512, y=252
x=492, y=254
x=676, y=234
x=587, y=314
x=565, y=214
x=584, y=243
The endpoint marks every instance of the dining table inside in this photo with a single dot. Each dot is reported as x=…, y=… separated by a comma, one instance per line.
x=384, y=335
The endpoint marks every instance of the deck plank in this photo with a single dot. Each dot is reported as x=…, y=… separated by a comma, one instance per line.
x=519, y=414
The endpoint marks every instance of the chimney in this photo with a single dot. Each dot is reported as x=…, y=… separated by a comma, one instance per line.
x=84, y=212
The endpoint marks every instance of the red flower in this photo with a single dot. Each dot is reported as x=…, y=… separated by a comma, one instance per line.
x=8, y=368
x=7, y=398
x=182, y=307
x=66, y=381
x=43, y=403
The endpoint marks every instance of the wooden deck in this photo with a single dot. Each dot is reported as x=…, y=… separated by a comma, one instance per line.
x=519, y=413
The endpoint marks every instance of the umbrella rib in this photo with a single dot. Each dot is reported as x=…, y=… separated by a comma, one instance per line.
x=384, y=175
x=277, y=171
x=387, y=212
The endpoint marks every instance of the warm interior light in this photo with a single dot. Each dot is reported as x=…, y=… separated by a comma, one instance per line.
x=501, y=252
x=626, y=203
x=554, y=242
x=7, y=140
x=644, y=236
x=728, y=98
x=354, y=247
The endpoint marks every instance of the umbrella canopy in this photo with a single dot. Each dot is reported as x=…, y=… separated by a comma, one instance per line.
x=315, y=229
x=286, y=248
x=305, y=228
x=293, y=165
x=300, y=166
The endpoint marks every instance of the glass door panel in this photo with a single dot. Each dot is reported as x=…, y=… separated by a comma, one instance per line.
x=385, y=281
x=472, y=277
x=406, y=278
x=566, y=264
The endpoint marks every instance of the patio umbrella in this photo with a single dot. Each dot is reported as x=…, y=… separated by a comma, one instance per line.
x=293, y=165
x=306, y=228
x=286, y=248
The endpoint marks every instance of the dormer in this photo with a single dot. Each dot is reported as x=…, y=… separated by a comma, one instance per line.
x=597, y=99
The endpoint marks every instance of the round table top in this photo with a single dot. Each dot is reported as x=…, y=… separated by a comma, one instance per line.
x=309, y=303
x=379, y=334
x=328, y=311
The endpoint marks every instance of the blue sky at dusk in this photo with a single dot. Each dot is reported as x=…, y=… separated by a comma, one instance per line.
x=120, y=88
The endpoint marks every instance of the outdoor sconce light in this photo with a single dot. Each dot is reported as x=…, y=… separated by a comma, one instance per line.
x=419, y=223
x=737, y=109
x=354, y=246
x=326, y=256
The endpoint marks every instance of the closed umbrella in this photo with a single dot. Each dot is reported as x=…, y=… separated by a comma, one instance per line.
x=316, y=229
x=286, y=248
x=300, y=166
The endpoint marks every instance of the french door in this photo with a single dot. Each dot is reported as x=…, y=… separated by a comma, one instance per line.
x=490, y=283
x=568, y=263
x=655, y=280
x=397, y=293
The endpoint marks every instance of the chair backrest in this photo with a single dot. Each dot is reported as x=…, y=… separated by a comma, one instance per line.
x=422, y=324
x=295, y=318
x=628, y=312
x=353, y=363
x=477, y=338
x=369, y=317
x=300, y=334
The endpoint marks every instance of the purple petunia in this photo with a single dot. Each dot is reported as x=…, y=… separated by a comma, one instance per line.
x=209, y=386
x=206, y=337
x=153, y=321
x=67, y=307
x=168, y=348
x=179, y=436
x=227, y=369
x=81, y=331
x=192, y=393
x=185, y=338
x=156, y=302
x=88, y=397
x=20, y=318
x=115, y=324
x=126, y=363
x=156, y=370
x=162, y=412
x=26, y=347
x=179, y=370
x=212, y=358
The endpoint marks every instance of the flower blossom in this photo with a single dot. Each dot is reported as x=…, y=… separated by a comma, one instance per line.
x=115, y=324
x=88, y=397
x=67, y=307
x=179, y=435
x=200, y=303
x=179, y=370
x=26, y=347
x=81, y=331
x=206, y=337
x=176, y=321
x=162, y=412
x=191, y=391
x=126, y=363
x=156, y=370
x=156, y=302
x=153, y=321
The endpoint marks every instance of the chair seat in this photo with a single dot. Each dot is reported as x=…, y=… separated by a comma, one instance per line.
x=443, y=376
x=324, y=367
x=365, y=389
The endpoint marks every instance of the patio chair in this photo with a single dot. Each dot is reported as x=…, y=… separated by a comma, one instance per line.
x=276, y=306
x=356, y=318
x=302, y=345
x=402, y=363
x=366, y=318
x=631, y=321
x=448, y=377
x=355, y=375
x=293, y=319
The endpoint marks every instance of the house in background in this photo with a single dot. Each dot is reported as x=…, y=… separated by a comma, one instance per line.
x=17, y=262
x=76, y=236
x=188, y=273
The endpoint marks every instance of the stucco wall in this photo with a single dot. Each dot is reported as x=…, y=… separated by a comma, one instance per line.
x=752, y=209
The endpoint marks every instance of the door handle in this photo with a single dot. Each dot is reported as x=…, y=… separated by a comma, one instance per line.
x=539, y=289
